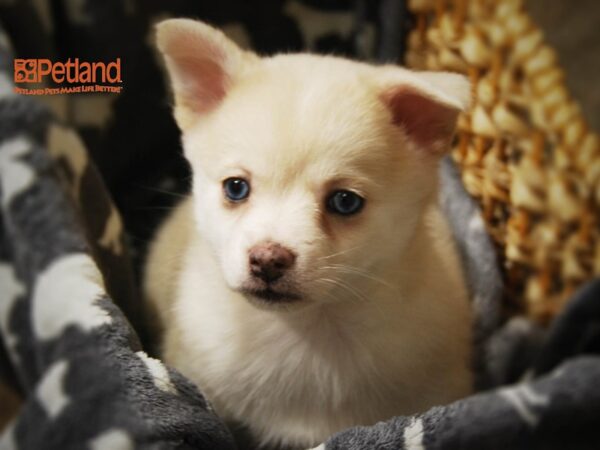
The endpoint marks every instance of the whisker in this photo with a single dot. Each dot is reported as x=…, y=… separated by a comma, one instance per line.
x=361, y=297
x=327, y=293
x=339, y=253
x=361, y=272
x=399, y=270
x=156, y=208
x=163, y=191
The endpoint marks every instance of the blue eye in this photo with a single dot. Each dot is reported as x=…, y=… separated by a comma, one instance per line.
x=345, y=203
x=236, y=189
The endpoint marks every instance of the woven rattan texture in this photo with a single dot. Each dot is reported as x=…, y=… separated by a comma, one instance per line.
x=525, y=151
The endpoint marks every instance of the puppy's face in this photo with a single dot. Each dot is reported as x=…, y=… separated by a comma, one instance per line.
x=310, y=173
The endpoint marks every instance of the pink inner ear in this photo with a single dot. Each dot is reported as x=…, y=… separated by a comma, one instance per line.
x=425, y=120
x=204, y=83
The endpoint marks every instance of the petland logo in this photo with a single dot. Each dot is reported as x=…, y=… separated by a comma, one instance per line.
x=90, y=77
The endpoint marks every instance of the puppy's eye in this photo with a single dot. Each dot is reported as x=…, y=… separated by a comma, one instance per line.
x=345, y=203
x=236, y=189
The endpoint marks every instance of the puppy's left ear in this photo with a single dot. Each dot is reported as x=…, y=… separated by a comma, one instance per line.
x=426, y=105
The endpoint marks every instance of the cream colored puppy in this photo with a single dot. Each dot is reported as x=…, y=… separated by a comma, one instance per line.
x=310, y=283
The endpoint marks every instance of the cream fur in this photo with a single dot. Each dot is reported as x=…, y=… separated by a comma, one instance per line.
x=384, y=326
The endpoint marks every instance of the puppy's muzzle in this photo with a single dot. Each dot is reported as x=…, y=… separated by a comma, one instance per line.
x=270, y=261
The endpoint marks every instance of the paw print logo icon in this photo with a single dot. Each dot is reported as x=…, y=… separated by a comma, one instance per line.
x=26, y=71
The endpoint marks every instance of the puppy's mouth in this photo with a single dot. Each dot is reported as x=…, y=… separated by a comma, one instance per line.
x=271, y=295
x=279, y=292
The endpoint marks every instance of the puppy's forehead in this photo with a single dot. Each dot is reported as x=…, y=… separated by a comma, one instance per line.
x=299, y=120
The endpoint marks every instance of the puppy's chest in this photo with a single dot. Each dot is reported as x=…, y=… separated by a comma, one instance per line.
x=277, y=367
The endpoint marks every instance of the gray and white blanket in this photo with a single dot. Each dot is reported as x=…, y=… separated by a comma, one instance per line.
x=70, y=321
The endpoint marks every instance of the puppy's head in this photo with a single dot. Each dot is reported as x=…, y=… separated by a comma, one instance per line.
x=311, y=173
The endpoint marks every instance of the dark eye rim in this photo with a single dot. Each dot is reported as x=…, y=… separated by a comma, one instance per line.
x=227, y=194
x=332, y=208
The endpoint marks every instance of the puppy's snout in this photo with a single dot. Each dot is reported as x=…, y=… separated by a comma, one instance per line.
x=270, y=261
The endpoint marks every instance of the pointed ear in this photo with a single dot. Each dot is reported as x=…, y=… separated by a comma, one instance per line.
x=202, y=64
x=426, y=105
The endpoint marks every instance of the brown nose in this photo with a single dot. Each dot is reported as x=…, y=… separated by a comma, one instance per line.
x=269, y=261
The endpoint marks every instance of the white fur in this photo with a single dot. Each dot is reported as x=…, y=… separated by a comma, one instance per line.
x=386, y=334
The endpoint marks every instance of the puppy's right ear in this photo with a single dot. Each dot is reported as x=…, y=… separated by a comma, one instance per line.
x=202, y=64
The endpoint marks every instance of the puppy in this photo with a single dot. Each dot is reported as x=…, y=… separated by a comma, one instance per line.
x=309, y=283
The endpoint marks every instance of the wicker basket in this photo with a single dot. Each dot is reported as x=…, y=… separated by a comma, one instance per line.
x=524, y=149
